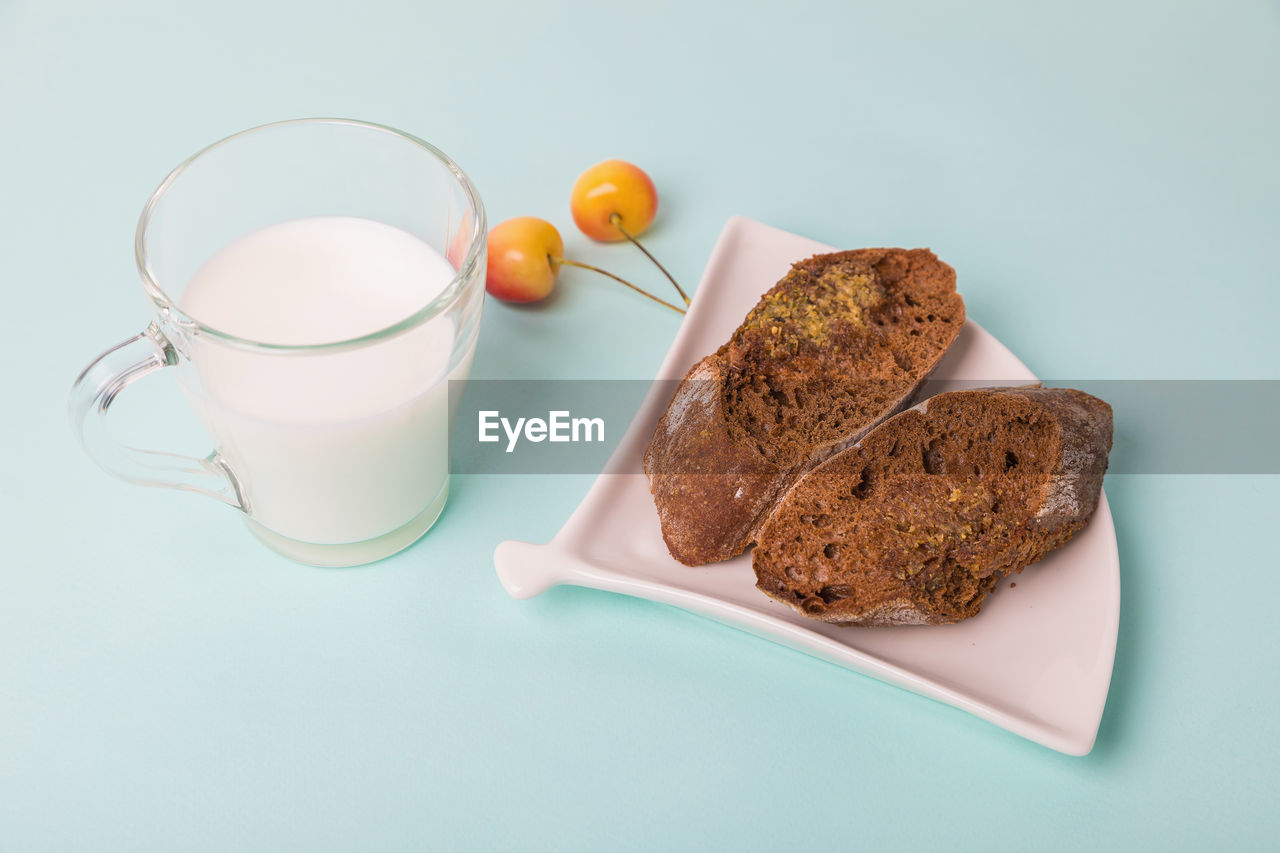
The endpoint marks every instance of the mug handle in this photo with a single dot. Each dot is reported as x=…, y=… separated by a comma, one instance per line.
x=91, y=397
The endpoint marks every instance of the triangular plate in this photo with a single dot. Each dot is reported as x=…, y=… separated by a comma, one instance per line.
x=1037, y=660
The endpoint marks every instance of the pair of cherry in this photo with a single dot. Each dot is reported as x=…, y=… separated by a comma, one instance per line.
x=611, y=202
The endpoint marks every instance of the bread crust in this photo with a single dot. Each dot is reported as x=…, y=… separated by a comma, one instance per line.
x=710, y=490
x=712, y=484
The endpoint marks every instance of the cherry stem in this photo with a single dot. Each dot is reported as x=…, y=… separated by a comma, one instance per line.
x=581, y=265
x=617, y=223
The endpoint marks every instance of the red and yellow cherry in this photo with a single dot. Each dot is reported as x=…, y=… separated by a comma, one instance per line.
x=613, y=200
x=525, y=255
x=616, y=200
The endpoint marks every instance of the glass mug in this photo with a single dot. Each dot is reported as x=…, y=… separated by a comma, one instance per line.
x=334, y=449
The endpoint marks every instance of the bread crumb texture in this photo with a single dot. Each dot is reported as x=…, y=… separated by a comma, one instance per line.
x=919, y=521
x=840, y=343
x=832, y=347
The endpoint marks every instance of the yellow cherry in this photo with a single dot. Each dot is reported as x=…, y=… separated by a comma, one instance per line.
x=612, y=200
x=615, y=200
x=524, y=257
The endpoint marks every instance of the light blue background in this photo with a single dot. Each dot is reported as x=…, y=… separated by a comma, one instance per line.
x=1105, y=178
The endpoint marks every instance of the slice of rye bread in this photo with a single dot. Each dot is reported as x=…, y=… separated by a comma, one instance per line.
x=918, y=522
x=842, y=342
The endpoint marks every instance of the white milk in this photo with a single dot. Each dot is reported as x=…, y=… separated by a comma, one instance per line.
x=334, y=448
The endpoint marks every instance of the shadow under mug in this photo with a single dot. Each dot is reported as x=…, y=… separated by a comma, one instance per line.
x=336, y=453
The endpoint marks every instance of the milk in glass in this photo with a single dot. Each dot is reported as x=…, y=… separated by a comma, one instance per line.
x=342, y=446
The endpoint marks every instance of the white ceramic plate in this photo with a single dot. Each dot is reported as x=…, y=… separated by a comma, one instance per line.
x=1037, y=659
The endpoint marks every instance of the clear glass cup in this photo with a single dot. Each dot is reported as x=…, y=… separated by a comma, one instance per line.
x=336, y=452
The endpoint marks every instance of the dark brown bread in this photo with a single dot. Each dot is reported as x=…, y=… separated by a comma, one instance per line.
x=918, y=522
x=839, y=344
